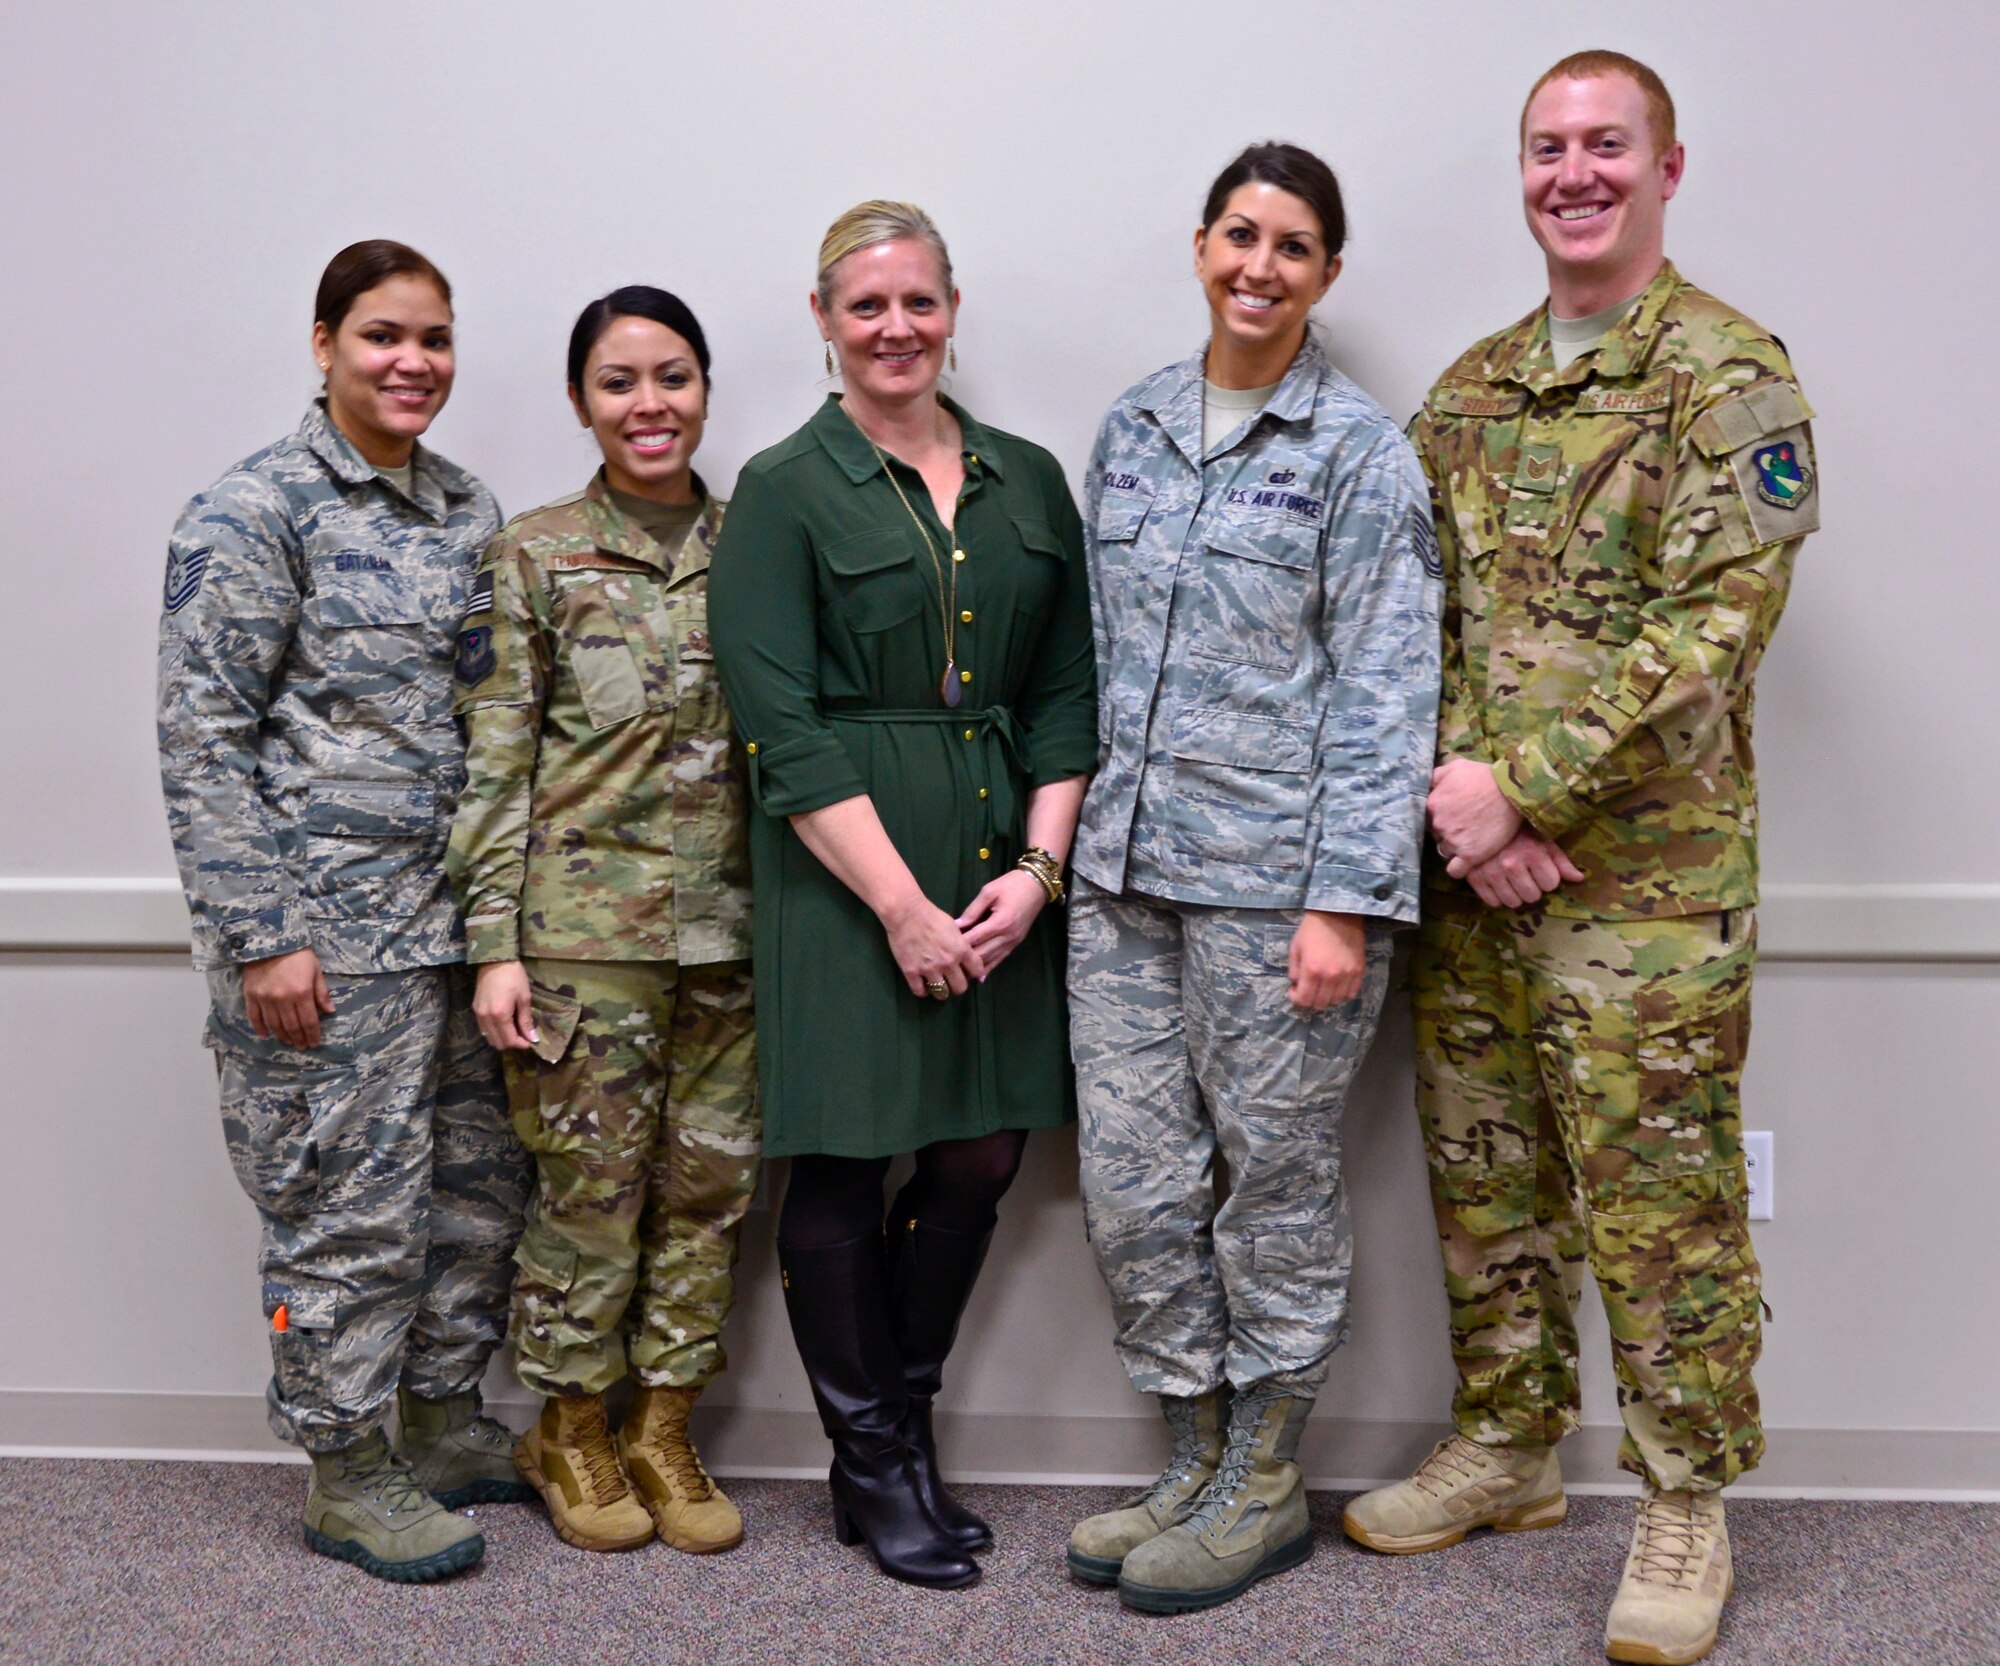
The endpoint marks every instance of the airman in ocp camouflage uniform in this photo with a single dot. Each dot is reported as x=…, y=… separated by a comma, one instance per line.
x=602, y=842
x=310, y=767
x=1618, y=532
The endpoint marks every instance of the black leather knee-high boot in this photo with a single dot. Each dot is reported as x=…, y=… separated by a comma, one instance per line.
x=930, y=1281
x=838, y=1300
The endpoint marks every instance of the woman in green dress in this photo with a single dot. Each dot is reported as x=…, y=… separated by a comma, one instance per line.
x=902, y=625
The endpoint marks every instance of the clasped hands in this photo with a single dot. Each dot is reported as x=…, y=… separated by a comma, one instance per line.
x=931, y=948
x=1485, y=841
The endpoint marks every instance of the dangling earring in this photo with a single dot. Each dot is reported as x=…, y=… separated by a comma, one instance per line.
x=951, y=348
x=829, y=358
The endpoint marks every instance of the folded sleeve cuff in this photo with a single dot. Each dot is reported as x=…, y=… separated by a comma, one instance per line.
x=1060, y=748
x=490, y=940
x=1379, y=896
x=804, y=774
x=1530, y=781
x=243, y=938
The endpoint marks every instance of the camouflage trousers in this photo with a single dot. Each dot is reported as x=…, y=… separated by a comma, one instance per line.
x=1187, y=1046
x=640, y=1105
x=1578, y=1086
x=390, y=1190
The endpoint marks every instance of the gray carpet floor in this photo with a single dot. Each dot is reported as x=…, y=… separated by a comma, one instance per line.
x=108, y=1563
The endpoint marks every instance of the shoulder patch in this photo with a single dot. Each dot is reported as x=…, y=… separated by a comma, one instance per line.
x=1779, y=486
x=480, y=598
x=184, y=573
x=476, y=657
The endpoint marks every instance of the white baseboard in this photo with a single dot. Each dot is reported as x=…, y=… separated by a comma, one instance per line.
x=1342, y=1454
x=1798, y=922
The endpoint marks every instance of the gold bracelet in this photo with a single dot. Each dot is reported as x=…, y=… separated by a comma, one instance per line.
x=1045, y=868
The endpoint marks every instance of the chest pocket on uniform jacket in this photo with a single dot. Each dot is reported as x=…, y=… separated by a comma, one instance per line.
x=615, y=646
x=875, y=581
x=1260, y=589
x=375, y=626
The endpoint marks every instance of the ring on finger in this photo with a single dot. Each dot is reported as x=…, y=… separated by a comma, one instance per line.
x=938, y=988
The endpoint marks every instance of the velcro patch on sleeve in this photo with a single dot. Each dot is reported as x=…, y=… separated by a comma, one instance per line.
x=480, y=598
x=1755, y=414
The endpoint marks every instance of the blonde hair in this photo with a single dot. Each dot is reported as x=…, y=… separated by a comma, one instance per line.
x=877, y=221
x=1587, y=66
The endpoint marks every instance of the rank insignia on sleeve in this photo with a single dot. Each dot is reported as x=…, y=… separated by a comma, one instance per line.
x=1782, y=478
x=184, y=570
x=476, y=658
x=481, y=598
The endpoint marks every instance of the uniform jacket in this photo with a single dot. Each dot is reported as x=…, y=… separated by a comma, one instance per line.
x=1617, y=539
x=604, y=812
x=307, y=749
x=1267, y=642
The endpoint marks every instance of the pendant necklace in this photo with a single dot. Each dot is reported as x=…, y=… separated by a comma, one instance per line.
x=951, y=688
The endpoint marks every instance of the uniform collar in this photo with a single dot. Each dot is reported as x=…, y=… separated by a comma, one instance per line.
x=850, y=448
x=616, y=532
x=336, y=450
x=1174, y=397
x=1520, y=355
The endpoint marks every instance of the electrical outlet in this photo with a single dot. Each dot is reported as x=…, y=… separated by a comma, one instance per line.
x=1757, y=1157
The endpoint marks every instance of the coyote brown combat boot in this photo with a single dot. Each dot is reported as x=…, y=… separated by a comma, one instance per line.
x=1099, y=1545
x=1677, y=1578
x=1460, y=1486
x=364, y=1507
x=457, y=1455
x=1249, y=1523
x=689, y=1510
x=568, y=1458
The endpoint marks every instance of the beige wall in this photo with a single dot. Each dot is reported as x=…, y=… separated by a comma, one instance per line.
x=179, y=175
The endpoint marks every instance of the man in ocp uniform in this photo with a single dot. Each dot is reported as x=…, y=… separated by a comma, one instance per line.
x=1621, y=483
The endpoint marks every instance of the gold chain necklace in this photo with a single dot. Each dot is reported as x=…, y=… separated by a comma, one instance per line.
x=950, y=689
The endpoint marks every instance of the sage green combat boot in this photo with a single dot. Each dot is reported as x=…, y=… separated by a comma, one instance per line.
x=1099, y=1544
x=1677, y=1577
x=1248, y=1524
x=456, y=1454
x=1460, y=1486
x=363, y=1506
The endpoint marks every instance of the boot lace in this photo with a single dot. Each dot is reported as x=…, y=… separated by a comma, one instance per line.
x=1184, y=1461
x=1453, y=1463
x=385, y=1478
x=681, y=1460
x=1239, y=1457
x=1666, y=1545
x=601, y=1469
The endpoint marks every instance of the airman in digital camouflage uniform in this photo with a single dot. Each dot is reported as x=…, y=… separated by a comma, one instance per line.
x=1264, y=591
x=601, y=852
x=310, y=766
x=1622, y=481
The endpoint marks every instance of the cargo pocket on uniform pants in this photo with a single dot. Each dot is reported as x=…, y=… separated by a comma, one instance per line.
x=538, y=1088
x=267, y=1127
x=1715, y=1327
x=1300, y=1292
x=304, y=1315
x=543, y=1330
x=1692, y=1035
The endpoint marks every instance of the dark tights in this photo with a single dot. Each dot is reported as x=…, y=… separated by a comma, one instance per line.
x=957, y=1188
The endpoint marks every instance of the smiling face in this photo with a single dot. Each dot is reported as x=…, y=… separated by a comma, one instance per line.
x=644, y=399
x=1263, y=264
x=389, y=366
x=889, y=317
x=1595, y=189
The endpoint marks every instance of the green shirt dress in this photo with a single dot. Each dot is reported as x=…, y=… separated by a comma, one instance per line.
x=825, y=610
